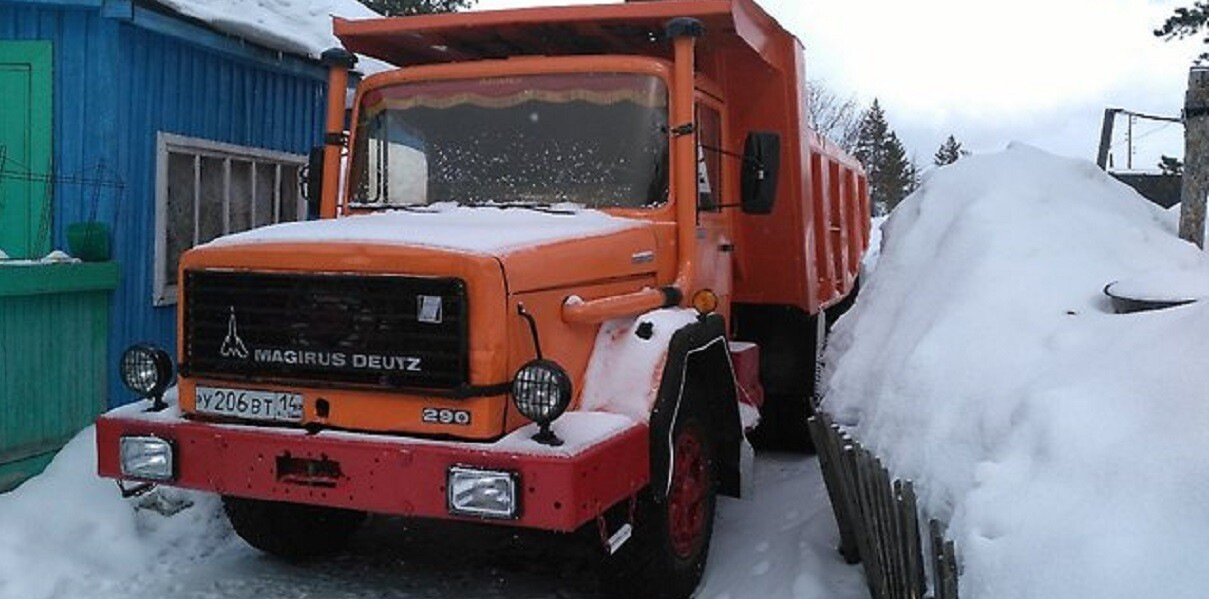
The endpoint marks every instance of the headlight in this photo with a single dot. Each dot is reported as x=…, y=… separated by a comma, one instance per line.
x=483, y=493
x=541, y=391
x=146, y=370
x=146, y=457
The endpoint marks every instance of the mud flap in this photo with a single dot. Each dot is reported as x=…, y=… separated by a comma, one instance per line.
x=703, y=341
x=747, y=470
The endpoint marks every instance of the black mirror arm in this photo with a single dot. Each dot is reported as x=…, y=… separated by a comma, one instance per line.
x=746, y=159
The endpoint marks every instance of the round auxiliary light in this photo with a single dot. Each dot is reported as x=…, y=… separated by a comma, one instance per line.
x=705, y=301
x=542, y=392
x=146, y=370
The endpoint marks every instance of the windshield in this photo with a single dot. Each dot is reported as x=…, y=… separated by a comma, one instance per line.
x=594, y=139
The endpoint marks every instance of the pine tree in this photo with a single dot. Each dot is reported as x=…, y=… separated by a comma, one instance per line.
x=398, y=8
x=949, y=152
x=871, y=136
x=1185, y=22
x=1171, y=166
x=892, y=175
x=899, y=177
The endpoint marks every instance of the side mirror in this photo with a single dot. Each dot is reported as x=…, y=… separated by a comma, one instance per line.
x=761, y=169
x=312, y=180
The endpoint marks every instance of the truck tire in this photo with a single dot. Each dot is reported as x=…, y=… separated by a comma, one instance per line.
x=783, y=416
x=291, y=530
x=666, y=555
x=783, y=426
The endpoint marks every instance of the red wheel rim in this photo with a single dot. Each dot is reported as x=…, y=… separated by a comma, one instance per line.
x=688, y=495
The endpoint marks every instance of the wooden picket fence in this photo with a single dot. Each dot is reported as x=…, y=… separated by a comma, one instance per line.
x=879, y=521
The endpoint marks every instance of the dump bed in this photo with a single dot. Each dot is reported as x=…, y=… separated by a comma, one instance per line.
x=807, y=253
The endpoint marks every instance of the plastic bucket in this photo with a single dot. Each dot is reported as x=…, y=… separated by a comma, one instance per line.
x=89, y=242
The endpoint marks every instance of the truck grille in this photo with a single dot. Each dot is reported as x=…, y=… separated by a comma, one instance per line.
x=367, y=330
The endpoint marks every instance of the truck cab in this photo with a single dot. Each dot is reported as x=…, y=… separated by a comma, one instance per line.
x=565, y=259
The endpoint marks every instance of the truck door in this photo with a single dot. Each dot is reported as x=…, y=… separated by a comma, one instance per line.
x=715, y=241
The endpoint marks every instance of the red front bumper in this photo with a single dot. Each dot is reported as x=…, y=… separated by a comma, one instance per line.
x=604, y=461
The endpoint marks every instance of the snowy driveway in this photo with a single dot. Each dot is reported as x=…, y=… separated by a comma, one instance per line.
x=778, y=545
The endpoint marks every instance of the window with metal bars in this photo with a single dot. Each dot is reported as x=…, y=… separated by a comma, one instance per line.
x=206, y=189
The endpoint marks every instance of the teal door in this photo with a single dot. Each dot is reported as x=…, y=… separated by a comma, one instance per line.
x=49, y=385
x=25, y=148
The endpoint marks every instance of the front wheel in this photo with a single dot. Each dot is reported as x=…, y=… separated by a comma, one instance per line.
x=291, y=530
x=666, y=556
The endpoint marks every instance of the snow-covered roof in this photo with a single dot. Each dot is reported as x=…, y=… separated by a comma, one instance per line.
x=483, y=230
x=301, y=27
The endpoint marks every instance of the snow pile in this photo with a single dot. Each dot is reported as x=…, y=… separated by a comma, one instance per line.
x=69, y=533
x=869, y=260
x=54, y=257
x=625, y=369
x=1169, y=284
x=487, y=230
x=1064, y=444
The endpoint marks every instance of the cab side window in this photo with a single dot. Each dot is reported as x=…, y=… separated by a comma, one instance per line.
x=709, y=159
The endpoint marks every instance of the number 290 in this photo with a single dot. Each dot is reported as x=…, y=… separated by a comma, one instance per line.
x=445, y=416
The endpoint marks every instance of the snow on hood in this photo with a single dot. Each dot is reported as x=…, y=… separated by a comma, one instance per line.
x=1065, y=445
x=295, y=26
x=483, y=230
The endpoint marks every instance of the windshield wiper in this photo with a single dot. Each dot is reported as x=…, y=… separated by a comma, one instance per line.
x=535, y=206
x=391, y=208
x=384, y=206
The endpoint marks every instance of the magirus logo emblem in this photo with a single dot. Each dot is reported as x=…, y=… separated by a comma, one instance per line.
x=232, y=345
x=234, y=348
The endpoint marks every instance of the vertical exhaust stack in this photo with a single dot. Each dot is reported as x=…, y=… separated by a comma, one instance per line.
x=338, y=61
x=684, y=33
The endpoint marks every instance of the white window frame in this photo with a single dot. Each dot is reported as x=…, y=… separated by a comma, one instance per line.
x=163, y=293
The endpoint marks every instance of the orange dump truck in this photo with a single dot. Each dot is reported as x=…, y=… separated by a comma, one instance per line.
x=576, y=254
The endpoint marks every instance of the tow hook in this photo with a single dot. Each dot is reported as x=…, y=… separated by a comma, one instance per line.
x=137, y=490
x=150, y=498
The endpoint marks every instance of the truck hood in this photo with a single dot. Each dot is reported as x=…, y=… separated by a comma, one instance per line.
x=538, y=249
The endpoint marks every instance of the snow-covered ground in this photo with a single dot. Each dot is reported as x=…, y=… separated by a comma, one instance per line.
x=68, y=534
x=1066, y=445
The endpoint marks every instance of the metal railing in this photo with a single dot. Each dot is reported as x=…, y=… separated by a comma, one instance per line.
x=879, y=521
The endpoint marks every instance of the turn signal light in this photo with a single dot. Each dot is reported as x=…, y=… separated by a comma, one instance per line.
x=705, y=301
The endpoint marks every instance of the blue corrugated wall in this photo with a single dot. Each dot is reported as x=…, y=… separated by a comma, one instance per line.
x=123, y=74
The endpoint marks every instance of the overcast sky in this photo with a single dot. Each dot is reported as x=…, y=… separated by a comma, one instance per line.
x=992, y=72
